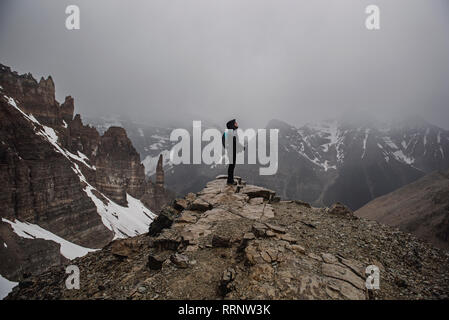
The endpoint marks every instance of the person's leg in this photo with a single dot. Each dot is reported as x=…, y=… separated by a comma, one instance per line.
x=231, y=173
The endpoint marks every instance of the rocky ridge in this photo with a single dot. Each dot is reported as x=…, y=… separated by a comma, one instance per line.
x=243, y=242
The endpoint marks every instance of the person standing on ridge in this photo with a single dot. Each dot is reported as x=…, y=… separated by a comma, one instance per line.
x=226, y=139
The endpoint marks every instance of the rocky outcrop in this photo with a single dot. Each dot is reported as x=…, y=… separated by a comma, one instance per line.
x=79, y=137
x=57, y=173
x=67, y=109
x=246, y=246
x=160, y=172
x=37, y=98
x=119, y=170
x=156, y=196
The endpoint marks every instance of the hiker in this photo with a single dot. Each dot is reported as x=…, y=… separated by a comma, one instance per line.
x=232, y=125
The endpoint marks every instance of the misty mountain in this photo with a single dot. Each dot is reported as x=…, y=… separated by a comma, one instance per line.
x=338, y=161
x=334, y=160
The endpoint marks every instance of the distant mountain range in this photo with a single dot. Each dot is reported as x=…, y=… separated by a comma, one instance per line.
x=351, y=162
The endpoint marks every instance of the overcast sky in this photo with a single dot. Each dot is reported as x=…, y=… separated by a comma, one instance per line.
x=253, y=60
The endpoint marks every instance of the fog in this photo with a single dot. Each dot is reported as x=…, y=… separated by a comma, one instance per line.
x=254, y=60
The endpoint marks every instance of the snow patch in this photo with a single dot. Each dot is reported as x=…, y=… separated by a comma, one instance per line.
x=140, y=132
x=390, y=143
x=12, y=103
x=399, y=155
x=425, y=136
x=50, y=135
x=123, y=221
x=32, y=231
x=6, y=287
x=364, y=142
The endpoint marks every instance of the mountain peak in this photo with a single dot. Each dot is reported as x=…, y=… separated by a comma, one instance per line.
x=278, y=124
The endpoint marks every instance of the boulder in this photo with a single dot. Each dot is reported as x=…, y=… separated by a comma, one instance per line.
x=180, y=204
x=340, y=209
x=276, y=228
x=181, y=261
x=155, y=262
x=257, y=192
x=344, y=274
x=221, y=242
x=186, y=217
x=163, y=220
x=225, y=285
x=125, y=247
x=199, y=205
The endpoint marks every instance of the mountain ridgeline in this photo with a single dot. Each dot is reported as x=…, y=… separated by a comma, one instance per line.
x=320, y=163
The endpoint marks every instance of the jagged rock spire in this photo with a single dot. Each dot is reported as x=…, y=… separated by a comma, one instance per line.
x=160, y=172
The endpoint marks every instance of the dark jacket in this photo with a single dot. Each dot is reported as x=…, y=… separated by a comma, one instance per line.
x=231, y=125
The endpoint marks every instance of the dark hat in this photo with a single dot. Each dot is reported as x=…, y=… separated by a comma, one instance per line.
x=231, y=124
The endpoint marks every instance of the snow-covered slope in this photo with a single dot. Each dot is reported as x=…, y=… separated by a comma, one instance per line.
x=32, y=231
x=6, y=287
x=354, y=163
x=123, y=221
x=330, y=143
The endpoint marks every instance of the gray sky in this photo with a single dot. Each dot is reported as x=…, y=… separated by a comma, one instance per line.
x=248, y=59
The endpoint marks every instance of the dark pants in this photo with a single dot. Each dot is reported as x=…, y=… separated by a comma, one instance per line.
x=232, y=164
x=231, y=172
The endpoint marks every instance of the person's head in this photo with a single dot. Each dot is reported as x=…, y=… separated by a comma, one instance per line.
x=232, y=124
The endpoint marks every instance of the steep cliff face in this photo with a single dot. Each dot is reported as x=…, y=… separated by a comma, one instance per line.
x=39, y=185
x=119, y=170
x=79, y=137
x=62, y=182
x=37, y=98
